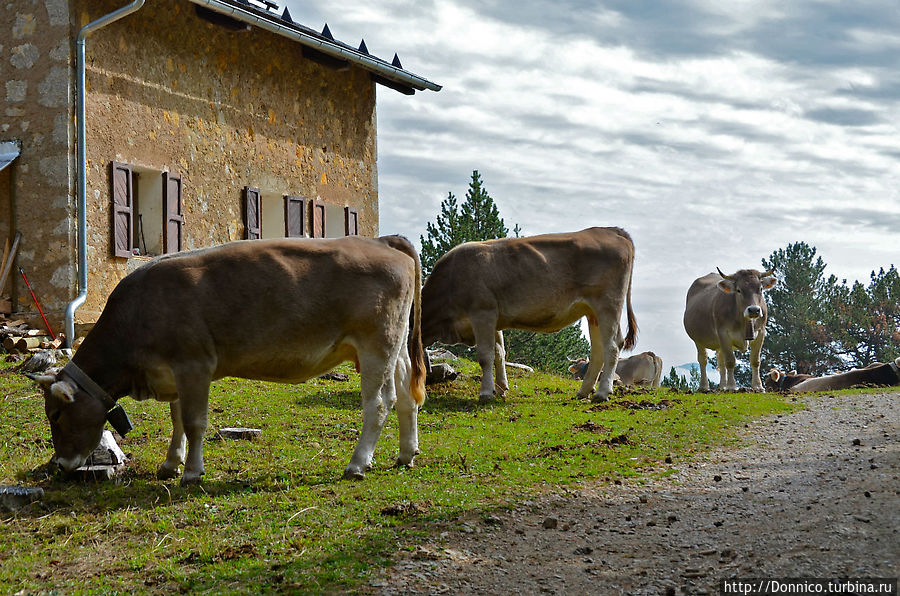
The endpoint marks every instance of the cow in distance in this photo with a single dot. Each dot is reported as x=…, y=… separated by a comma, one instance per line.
x=277, y=310
x=726, y=313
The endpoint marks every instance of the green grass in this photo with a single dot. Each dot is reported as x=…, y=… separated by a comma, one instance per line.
x=273, y=515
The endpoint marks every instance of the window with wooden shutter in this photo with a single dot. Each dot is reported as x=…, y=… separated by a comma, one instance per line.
x=317, y=229
x=251, y=213
x=351, y=221
x=174, y=218
x=294, y=216
x=123, y=202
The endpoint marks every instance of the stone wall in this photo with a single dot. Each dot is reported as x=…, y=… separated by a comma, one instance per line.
x=36, y=108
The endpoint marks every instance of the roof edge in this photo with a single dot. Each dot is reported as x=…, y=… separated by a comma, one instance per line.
x=332, y=48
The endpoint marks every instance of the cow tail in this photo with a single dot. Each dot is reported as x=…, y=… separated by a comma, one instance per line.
x=631, y=337
x=416, y=349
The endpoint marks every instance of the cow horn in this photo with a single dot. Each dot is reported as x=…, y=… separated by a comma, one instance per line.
x=728, y=277
x=768, y=273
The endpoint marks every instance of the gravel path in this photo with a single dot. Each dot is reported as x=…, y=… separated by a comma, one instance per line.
x=810, y=494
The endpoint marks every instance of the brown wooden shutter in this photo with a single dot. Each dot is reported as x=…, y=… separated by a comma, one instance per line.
x=122, y=203
x=317, y=229
x=294, y=216
x=252, y=213
x=351, y=221
x=174, y=217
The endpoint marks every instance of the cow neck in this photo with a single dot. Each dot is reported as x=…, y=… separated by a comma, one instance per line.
x=896, y=369
x=105, y=373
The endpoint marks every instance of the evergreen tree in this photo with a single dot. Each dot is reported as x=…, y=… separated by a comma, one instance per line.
x=476, y=219
x=866, y=320
x=676, y=382
x=798, y=335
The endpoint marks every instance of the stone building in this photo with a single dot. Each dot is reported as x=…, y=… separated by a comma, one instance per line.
x=205, y=121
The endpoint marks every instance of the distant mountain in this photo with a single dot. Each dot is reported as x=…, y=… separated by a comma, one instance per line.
x=684, y=371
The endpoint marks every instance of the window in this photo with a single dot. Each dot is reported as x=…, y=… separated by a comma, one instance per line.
x=270, y=215
x=147, y=215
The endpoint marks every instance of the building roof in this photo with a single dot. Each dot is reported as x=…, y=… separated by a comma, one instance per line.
x=321, y=46
x=9, y=151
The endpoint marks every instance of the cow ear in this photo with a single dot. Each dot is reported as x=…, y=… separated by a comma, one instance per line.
x=63, y=391
x=726, y=285
x=774, y=374
x=769, y=282
x=43, y=380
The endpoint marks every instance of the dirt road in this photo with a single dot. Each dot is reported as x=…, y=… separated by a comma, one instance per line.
x=810, y=494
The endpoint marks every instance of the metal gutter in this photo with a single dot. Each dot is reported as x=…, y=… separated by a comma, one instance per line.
x=9, y=151
x=334, y=49
x=81, y=160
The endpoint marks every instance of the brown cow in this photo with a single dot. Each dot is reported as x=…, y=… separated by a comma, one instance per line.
x=277, y=310
x=540, y=283
x=726, y=313
x=878, y=373
x=777, y=380
x=641, y=369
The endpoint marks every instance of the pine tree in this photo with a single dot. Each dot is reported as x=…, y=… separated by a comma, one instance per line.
x=476, y=219
x=798, y=334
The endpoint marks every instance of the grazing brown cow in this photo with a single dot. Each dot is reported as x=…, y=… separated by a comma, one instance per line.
x=726, y=313
x=539, y=283
x=777, y=380
x=878, y=373
x=641, y=369
x=276, y=310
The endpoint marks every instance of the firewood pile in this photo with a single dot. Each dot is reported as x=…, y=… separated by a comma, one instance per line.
x=18, y=338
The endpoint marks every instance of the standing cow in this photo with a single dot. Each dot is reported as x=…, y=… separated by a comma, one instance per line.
x=276, y=310
x=541, y=283
x=726, y=313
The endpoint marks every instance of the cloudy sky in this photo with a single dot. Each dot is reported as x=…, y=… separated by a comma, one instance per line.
x=714, y=132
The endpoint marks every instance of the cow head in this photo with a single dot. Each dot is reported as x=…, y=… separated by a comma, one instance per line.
x=747, y=286
x=76, y=419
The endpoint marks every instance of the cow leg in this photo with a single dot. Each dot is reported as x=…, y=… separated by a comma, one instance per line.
x=407, y=411
x=485, y=344
x=702, y=360
x=378, y=394
x=594, y=365
x=176, y=451
x=755, y=357
x=501, y=384
x=728, y=362
x=604, y=349
x=193, y=394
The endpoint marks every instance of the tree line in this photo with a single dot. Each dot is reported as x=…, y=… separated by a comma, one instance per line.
x=817, y=324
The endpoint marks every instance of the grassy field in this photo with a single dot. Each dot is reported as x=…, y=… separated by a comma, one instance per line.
x=272, y=515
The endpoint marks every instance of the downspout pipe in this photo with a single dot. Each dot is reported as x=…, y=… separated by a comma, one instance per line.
x=81, y=160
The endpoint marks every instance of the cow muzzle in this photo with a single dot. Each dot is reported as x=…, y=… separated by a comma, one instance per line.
x=753, y=312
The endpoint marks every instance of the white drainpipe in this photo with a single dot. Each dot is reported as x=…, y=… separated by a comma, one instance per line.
x=81, y=161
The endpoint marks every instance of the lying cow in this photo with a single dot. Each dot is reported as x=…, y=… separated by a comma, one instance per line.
x=275, y=310
x=641, y=369
x=777, y=380
x=541, y=283
x=726, y=313
x=878, y=373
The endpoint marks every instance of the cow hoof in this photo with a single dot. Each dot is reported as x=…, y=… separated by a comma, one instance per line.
x=599, y=399
x=487, y=399
x=401, y=464
x=351, y=475
x=166, y=473
x=191, y=480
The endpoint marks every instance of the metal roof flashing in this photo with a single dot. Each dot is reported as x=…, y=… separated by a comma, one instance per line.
x=392, y=75
x=9, y=151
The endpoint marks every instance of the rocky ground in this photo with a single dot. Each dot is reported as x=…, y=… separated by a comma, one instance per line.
x=810, y=494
